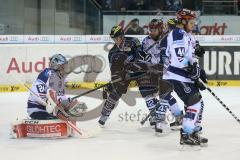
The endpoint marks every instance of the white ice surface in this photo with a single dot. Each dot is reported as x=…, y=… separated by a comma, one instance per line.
x=126, y=140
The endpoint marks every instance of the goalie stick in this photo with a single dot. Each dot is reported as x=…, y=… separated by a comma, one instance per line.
x=61, y=115
x=220, y=101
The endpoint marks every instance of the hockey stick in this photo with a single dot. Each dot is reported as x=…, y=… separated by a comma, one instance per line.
x=60, y=116
x=220, y=101
x=157, y=105
x=111, y=82
x=92, y=90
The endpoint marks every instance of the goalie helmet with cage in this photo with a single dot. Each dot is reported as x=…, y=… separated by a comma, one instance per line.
x=185, y=15
x=56, y=61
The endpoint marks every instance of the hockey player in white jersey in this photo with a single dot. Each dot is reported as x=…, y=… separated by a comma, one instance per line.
x=51, y=78
x=169, y=100
x=151, y=55
x=151, y=47
x=183, y=72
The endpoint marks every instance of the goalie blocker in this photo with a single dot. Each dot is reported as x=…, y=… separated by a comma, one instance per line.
x=40, y=129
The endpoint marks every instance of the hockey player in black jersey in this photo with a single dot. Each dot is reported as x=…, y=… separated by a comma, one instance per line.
x=124, y=51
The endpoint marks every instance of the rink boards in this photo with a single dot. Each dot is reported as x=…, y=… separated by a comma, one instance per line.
x=23, y=57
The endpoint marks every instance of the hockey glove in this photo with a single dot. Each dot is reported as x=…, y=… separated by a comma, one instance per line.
x=194, y=71
x=73, y=107
x=199, y=50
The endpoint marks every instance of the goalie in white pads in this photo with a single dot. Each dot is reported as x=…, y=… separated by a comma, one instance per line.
x=41, y=108
x=51, y=78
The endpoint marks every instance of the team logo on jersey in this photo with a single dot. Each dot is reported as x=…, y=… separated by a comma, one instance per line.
x=186, y=88
x=180, y=53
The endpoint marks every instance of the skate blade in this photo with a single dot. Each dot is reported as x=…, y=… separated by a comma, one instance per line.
x=203, y=145
x=162, y=134
x=101, y=126
x=176, y=128
x=152, y=126
x=187, y=147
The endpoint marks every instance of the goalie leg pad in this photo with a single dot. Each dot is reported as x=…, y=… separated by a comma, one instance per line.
x=40, y=129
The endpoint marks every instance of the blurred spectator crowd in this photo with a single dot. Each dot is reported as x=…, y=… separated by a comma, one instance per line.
x=146, y=5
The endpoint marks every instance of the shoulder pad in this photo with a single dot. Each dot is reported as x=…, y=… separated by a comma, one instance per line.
x=43, y=76
x=178, y=34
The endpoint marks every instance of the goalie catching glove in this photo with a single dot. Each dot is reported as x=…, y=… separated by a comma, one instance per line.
x=71, y=107
x=74, y=107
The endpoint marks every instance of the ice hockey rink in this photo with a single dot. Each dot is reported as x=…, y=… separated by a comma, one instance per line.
x=124, y=138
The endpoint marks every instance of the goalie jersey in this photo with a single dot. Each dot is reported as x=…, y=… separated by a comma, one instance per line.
x=179, y=52
x=47, y=79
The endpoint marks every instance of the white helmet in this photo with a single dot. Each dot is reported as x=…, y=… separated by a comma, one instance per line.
x=56, y=61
